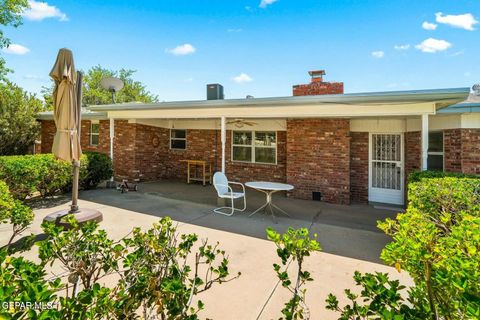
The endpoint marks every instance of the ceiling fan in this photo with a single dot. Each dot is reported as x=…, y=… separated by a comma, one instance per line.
x=239, y=123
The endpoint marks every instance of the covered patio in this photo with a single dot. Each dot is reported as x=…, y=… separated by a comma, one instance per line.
x=348, y=231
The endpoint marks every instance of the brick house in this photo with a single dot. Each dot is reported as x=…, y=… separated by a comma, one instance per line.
x=350, y=148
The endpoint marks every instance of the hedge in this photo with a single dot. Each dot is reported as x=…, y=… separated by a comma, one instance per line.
x=26, y=175
x=437, y=241
x=417, y=176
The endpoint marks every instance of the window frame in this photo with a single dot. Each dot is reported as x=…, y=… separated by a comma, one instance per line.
x=97, y=134
x=253, y=147
x=183, y=139
x=437, y=153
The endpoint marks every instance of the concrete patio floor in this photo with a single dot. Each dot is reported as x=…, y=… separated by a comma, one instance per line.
x=347, y=234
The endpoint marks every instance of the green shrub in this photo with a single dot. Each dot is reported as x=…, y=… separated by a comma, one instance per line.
x=12, y=211
x=437, y=240
x=380, y=298
x=42, y=173
x=294, y=245
x=28, y=174
x=417, y=176
x=95, y=168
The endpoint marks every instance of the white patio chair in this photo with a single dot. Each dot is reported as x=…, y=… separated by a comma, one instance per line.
x=225, y=191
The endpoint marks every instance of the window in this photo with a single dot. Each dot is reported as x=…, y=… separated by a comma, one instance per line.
x=178, y=139
x=94, y=133
x=435, y=151
x=254, y=146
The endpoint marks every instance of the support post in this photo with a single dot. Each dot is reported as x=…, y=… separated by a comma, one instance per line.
x=424, y=134
x=112, y=136
x=111, y=183
x=76, y=173
x=223, y=128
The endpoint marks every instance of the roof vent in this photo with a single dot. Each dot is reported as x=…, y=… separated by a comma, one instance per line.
x=214, y=91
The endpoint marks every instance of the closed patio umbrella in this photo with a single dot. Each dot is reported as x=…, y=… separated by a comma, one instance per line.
x=67, y=101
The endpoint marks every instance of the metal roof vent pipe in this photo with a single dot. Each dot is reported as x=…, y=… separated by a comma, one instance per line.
x=215, y=91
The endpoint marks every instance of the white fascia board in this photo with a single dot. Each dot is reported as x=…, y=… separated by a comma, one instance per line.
x=301, y=111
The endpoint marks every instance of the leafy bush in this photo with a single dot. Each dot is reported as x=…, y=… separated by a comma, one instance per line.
x=380, y=298
x=160, y=272
x=24, y=282
x=437, y=240
x=28, y=174
x=12, y=211
x=417, y=176
x=95, y=168
x=294, y=245
x=42, y=173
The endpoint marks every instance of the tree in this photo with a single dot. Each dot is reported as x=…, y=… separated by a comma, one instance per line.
x=95, y=94
x=10, y=15
x=18, y=127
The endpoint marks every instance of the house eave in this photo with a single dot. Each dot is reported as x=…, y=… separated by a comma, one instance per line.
x=443, y=96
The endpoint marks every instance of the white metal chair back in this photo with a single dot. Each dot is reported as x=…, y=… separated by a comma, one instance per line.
x=220, y=182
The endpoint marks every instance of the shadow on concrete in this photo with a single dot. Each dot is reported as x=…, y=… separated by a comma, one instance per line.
x=50, y=202
x=343, y=230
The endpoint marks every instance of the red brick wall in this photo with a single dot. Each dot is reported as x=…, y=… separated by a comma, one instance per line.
x=452, y=141
x=318, y=158
x=359, y=167
x=318, y=88
x=471, y=151
x=157, y=162
x=124, y=150
x=47, y=132
x=413, y=149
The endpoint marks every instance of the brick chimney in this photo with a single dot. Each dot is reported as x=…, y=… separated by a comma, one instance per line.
x=317, y=86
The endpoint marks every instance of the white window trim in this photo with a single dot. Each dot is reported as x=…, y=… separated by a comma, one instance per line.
x=439, y=153
x=94, y=134
x=252, y=146
x=170, y=141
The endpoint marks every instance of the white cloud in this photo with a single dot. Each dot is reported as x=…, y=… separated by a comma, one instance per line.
x=15, y=48
x=188, y=80
x=235, y=30
x=467, y=74
x=401, y=46
x=432, y=45
x=242, y=78
x=182, y=50
x=266, y=3
x=463, y=21
x=458, y=53
x=429, y=26
x=42, y=10
x=35, y=77
x=378, y=54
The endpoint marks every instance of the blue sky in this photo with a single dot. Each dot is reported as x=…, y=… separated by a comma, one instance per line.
x=255, y=47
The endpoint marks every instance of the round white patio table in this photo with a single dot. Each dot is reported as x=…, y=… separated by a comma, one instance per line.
x=269, y=188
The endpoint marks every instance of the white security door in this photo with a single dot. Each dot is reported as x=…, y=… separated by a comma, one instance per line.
x=386, y=168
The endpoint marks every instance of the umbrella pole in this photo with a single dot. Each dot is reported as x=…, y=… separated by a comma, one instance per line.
x=76, y=173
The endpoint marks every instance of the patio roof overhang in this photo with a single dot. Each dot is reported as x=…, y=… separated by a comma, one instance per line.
x=396, y=103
